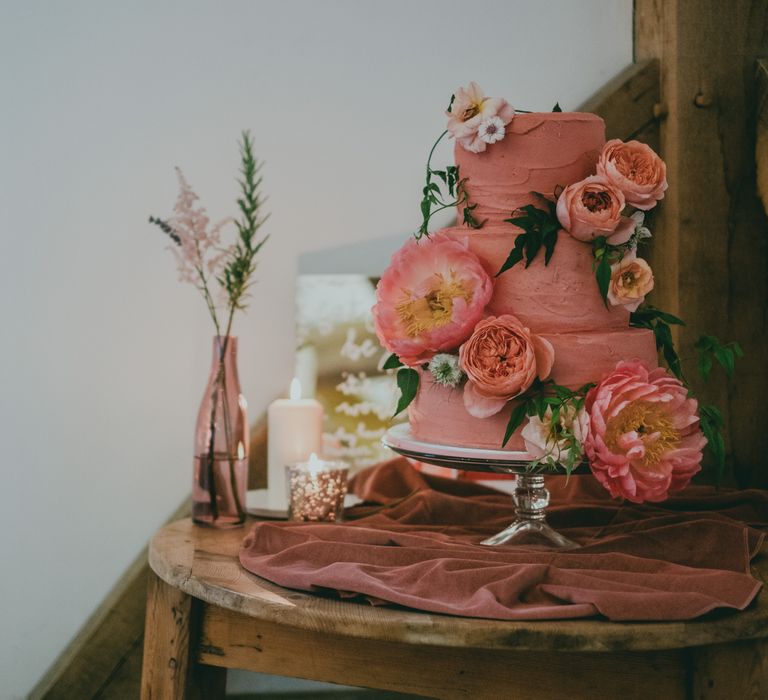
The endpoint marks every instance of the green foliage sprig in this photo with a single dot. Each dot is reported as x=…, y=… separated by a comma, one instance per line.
x=711, y=351
x=544, y=395
x=407, y=382
x=236, y=277
x=434, y=201
x=540, y=229
x=658, y=321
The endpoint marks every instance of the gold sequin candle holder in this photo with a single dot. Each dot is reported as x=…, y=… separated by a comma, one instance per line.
x=316, y=490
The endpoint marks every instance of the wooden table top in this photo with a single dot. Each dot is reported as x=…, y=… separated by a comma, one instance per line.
x=203, y=563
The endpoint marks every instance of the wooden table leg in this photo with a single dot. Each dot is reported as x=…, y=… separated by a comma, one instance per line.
x=734, y=670
x=170, y=632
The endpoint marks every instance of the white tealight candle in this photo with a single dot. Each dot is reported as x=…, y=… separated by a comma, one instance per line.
x=294, y=432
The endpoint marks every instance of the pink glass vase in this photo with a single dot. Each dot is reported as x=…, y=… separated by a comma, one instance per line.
x=221, y=443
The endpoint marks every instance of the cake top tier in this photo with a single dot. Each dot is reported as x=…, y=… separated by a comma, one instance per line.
x=539, y=152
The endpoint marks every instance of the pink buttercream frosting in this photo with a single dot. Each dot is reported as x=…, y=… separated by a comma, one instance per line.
x=438, y=414
x=539, y=152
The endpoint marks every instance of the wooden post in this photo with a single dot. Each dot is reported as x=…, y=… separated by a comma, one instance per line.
x=711, y=233
x=170, y=635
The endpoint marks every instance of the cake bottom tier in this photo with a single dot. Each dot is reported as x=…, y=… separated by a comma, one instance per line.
x=437, y=414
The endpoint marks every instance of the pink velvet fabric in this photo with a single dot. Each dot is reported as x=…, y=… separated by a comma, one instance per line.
x=415, y=544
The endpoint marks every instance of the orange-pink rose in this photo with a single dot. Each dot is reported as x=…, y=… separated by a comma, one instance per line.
x=636, y=170
x=501, y=359
x=592, y=208
x=631, y=280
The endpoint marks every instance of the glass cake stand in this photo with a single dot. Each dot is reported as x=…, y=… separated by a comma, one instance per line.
x=530, y=497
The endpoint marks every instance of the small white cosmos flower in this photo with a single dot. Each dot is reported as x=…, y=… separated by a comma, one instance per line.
x=491, y=130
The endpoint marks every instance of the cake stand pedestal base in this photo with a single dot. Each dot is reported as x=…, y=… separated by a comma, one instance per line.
x=531, y=499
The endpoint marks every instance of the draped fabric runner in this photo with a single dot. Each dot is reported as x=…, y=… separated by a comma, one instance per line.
x=418, y=547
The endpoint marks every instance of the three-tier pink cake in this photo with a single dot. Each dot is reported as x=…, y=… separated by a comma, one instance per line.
x=525, y=327
x=560, y=301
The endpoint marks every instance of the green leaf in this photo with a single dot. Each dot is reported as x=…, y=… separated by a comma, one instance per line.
x=515, y=255
x=603, y=277
x=515, y=420
x=469, y=217
x=408, y=383
x=540, y=228
x=705, y=365
x=711, y=423
x=392, y=362
x=450, y=104
x=557, y=108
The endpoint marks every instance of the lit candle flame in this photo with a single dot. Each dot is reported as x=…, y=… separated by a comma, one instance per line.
x=295, y=392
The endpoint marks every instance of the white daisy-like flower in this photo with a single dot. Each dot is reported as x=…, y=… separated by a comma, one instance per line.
x=641, y=232
x=445, y=369
x=491, y=130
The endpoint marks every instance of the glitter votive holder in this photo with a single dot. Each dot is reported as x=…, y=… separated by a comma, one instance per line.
x=316, y=490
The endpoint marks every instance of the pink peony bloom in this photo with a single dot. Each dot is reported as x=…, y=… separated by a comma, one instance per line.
x=636, y=170
x=644, y=439
x=430, y=298
x=473, y=114
x=631, y=280
x=592, y=208
x=501, y=360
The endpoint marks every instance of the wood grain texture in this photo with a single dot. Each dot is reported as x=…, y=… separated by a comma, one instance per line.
x=761, y=145
x=166, y=642
x=203, y=563
x=233, y=640
x=629, y=102
x=725, y=672
x=710, y=252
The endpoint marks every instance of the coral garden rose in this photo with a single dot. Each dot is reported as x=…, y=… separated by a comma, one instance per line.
x=644, y=439
x=430, y=298
x=631, y=280
x=501, y=360
x=592, y=208
x=636, y=170
x=473, y=116
x=544, y=439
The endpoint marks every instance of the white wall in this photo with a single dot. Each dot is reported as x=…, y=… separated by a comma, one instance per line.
x=104, y=353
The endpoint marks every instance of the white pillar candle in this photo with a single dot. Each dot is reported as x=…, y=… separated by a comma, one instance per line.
x=294, y=432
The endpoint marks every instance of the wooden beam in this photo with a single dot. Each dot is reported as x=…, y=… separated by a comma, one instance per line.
x=710, y=251
x=761, y=146
x=630, y=102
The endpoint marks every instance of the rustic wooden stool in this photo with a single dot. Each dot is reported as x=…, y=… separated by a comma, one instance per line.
x=206, y=614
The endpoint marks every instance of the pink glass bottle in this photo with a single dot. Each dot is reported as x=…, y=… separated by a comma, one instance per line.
x=221, y=443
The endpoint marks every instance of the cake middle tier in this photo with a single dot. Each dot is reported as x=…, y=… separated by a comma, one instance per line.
x=437, y=414
x=560, y=297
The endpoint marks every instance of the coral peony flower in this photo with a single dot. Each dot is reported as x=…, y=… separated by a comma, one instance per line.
x=644, y=439
x=631, y=280
x=473, y=112
x=430, y=298
x=636, y=170
x=592, y=208
x=501, y=359
x=543, y=440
